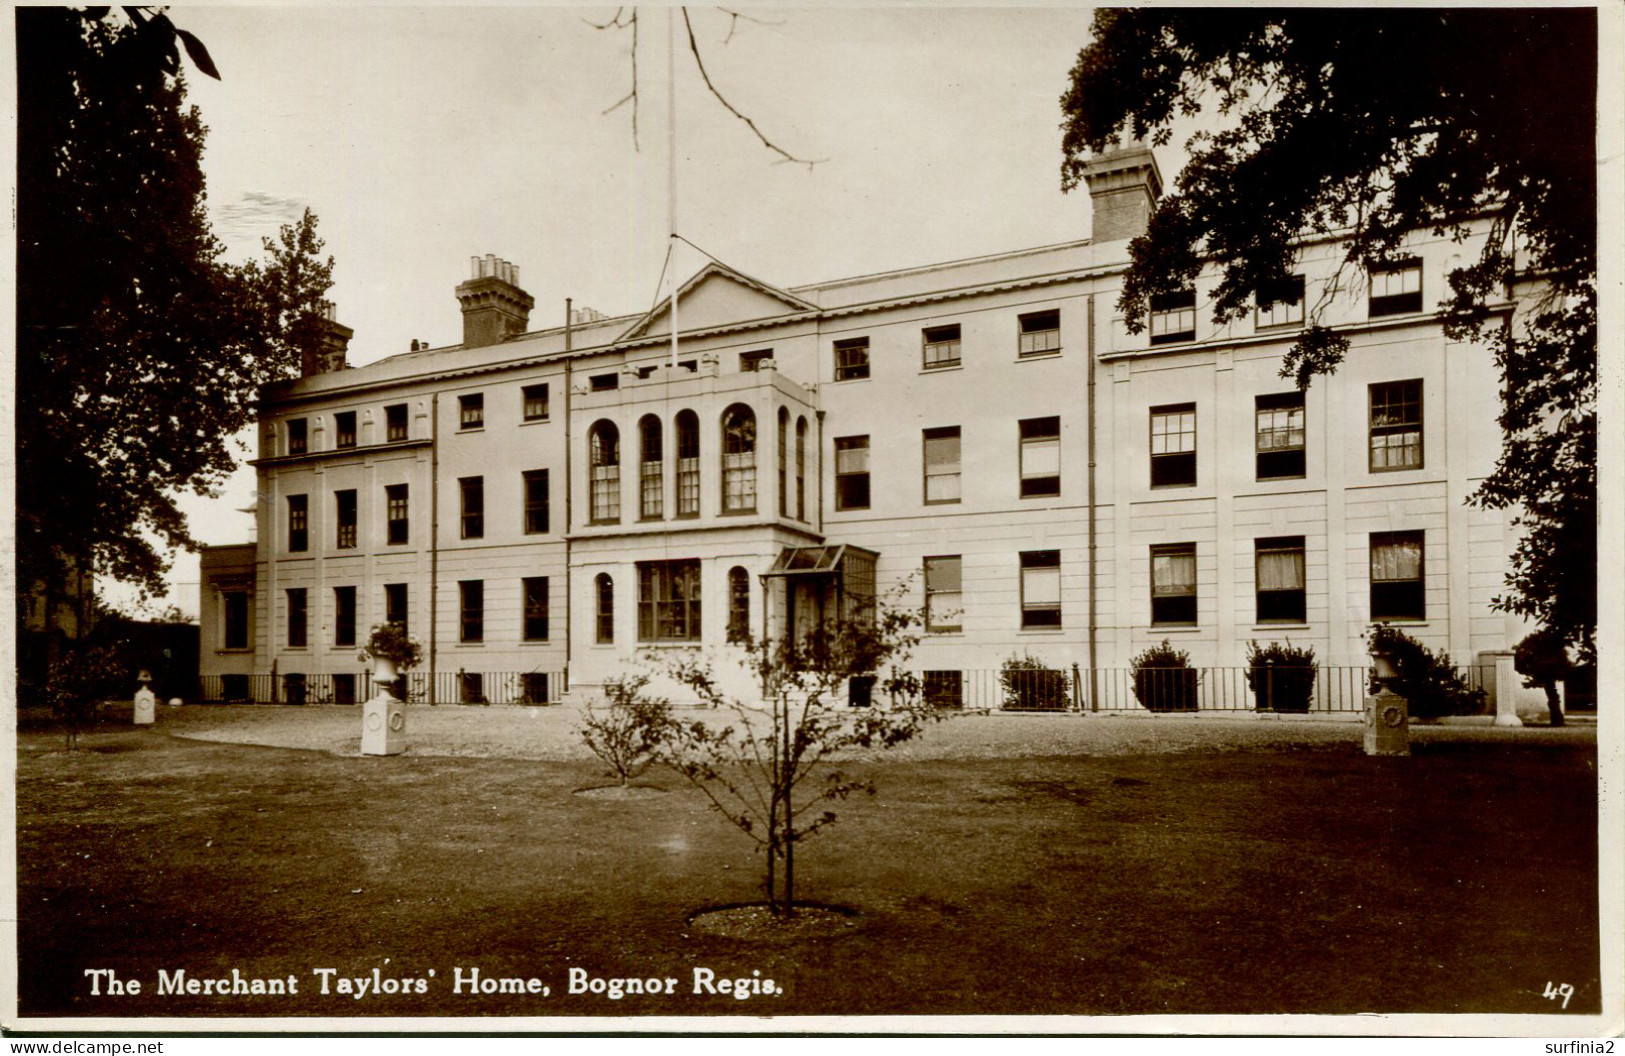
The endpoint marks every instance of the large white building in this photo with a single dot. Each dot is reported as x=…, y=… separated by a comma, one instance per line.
x=536, y=502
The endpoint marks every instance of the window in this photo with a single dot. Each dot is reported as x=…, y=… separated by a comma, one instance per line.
x=344, y=429
x=536, y=502
x=852, y=473
x=298, y=436
x=1040, y=333
x=1279, y=569
x=751, y=362
x=738, y=460
x=604, y=473
x=943, y=689
x=1281, y=305
x=298, y=523
x=297, y=617
x=668, y=601
x=738, y=605
x=1173, y=317
x=343, y=615
x=535, y=612
x=344, y=689
x=535, y=686
x=604, y=382
x=1041, y=588
x=645, y=373
x=471, y=411
x=533, y=403
x=784, y=462
x=942, y=465
x=395, y=512
x=234, y=605
x=940, y=346
x=473, y=495
x=1173, y=584
x=1278, y=432
x=1396, y=576
x=395, y=604
x=1396, y=426
x=651, y=469
x=852, y=359
x=1173, y=446
x=687, y=425
x=1040, y=457
x=1396, y=288
x=472, y=688
x=395, y=422
x=604, y=607
x=471, y=610
x=944, y=595
x=801, y=468
x=344, y=507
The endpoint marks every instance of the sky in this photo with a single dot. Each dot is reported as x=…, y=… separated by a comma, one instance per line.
x=424, y=136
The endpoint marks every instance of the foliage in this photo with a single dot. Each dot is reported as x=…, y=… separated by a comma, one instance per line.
x=1291, y=673
x=1429, y=681
x=1028, y=685
x=139, y=352
x=1544, y=662
x=753, y=762
x=628, y=735
x=1164, y=679
x=78, y=681
x=389, y=641
x=1364, y=125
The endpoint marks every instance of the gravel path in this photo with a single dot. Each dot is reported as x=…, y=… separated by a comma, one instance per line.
x=551, y=732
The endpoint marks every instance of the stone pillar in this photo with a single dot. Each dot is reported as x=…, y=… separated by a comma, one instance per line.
x=146, y=702
x=1387, y=724
x=1506, y=686
x=383, y=716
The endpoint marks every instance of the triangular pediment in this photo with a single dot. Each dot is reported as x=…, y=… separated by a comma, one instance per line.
x=717, y=296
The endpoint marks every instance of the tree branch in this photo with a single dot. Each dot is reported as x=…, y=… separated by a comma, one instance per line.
x=694, y=48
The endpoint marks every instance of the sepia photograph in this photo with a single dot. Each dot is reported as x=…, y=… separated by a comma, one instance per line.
x=816, y=519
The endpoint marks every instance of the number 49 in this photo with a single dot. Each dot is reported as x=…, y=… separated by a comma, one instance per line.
x=1565, y=991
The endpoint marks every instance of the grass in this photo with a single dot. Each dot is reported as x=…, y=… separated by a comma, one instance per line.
x=1259, y=878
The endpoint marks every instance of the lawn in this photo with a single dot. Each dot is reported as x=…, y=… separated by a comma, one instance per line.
x=1278, y=873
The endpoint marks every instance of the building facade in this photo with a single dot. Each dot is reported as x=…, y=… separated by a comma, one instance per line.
x=985, y=435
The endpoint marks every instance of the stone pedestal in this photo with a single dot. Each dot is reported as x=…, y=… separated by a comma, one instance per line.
x=1507, y=684
x=383, y=725
x=146, y=703
x=1387, y=724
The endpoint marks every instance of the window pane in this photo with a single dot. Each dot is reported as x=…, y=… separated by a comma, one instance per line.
x=1280, y=570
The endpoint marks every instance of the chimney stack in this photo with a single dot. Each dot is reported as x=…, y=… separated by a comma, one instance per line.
x=334, y=344
x=1124, y=185
x=494, y=307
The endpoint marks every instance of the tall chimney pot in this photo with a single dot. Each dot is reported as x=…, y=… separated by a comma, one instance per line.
x=1124, y=185
x=494, y=307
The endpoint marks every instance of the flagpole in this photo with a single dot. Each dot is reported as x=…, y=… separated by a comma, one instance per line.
x=671, y=170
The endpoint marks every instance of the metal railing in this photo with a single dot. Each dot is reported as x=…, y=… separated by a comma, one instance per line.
x=1271, y=688
x=446, y=687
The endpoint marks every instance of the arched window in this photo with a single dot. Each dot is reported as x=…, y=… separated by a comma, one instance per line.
x=738, y=460
x=801, y=469
x=688, y=463
x=604, y=463
x=784, y=460
x=738, y=605
x=651, y=476
x=604, y=594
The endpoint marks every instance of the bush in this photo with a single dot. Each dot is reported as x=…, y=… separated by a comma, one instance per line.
x=629, y=734
x=389, y=641
x=1164, y=679
x=1282, y=677
x=1543, y=660
x=1030, y=686
x=1427, y=680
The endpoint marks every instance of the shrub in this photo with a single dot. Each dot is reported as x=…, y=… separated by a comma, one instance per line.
x=1282, y=677
x=1543, y=661
x=1164, y=679
x=628, y=734
x=1030, y=686
x=1427, y=680
x=389, y=641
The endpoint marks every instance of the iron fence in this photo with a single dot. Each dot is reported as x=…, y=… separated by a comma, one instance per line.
x=445, y=687
x=1272, y=688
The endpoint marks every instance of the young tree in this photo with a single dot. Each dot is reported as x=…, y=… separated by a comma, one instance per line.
x=756, y=764
x=139, y=352
x=1368, y=124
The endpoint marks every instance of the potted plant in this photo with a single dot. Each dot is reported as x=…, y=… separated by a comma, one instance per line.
x=1030, y=686
x=392, y=651
x=1164, y=679
x=1427, y=680
x=1282, y=677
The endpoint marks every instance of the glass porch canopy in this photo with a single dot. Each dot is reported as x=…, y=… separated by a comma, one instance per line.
x=850, y=569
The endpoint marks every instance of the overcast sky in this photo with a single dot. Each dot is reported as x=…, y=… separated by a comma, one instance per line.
x=424, y=136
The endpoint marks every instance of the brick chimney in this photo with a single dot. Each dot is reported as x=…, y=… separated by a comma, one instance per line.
x=494, y=307
x=1124, y=185
x=335, y=344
